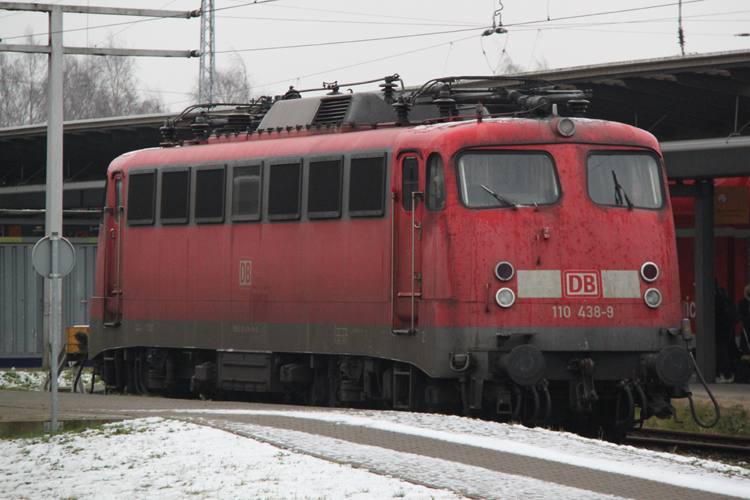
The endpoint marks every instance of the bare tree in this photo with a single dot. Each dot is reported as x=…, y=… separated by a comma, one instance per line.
x=97, y=87
x=23, y=88
x=94, y=87
x=231, y=84
x=506, y=66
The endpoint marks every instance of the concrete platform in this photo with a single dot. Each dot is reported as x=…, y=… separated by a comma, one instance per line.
x=35, y=406
x=725, y=394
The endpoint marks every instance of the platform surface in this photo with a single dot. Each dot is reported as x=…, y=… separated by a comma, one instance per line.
x=725, y=394
x=272, y=424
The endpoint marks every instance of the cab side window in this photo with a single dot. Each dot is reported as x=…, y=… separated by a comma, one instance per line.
x=324, y=189
x=367, y=187
x=141, y=195
x=409, y=181
x=209, y=194
x=175, y=196
x=435, y=183
x=246, y=192
x=284, y=189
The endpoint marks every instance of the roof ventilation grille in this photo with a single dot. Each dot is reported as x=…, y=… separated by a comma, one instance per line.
x=332, y=110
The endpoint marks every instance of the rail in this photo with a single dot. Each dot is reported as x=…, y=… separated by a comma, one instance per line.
x=704, y=441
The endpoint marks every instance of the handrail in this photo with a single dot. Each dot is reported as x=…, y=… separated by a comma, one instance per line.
x=414, y=196
x=121, y=210
x=119, y=214
x=393, y=253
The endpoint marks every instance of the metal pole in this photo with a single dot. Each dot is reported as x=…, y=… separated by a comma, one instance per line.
x=207, y=70
x=704, y=280
x=53, y=217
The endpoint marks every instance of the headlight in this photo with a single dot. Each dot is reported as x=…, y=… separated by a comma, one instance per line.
x=505, y=297
x=649, y=272
x=652, y=297
x=504, y=271
x=566, y=127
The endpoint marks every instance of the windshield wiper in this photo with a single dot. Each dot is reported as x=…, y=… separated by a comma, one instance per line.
x=500, y=198
x=620, y=193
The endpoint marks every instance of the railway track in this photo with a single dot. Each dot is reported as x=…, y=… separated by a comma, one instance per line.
x=710, y=443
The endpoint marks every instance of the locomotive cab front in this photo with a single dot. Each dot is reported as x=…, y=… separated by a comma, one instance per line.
x=551, y=265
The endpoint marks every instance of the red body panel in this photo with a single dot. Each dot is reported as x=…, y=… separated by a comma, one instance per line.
x=338, y=271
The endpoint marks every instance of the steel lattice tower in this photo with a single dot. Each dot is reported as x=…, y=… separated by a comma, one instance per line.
x=206, y=78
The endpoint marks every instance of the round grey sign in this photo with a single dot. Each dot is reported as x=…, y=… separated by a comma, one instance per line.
x=42, y=257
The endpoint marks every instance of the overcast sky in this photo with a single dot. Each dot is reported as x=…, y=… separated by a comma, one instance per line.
x=429, y=38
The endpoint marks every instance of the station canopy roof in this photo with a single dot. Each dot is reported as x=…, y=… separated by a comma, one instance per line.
x=698, y=106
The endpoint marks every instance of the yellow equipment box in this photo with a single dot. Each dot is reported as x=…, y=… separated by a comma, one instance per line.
x=77, y=339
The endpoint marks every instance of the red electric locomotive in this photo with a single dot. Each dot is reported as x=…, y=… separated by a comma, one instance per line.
x=460, y=248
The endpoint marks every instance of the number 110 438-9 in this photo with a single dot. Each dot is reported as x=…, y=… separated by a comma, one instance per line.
x=583, y=312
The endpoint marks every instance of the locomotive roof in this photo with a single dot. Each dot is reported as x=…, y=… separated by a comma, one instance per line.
x=440, y=100
x=449, y=137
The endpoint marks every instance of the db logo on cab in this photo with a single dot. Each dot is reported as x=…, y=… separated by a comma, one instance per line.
x=582, y=284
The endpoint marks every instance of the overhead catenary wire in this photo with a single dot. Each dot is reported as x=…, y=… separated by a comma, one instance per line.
x=124, y=29
x=367, y=14
x=581, y=16
x=348, y=21
x=550, y=24
x=138, y=21
x=364, y=62
x=260, y=2
x=309, y=75
x=341, y=42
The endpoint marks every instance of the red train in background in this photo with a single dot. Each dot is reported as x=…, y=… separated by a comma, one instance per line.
x=732, y=229
x=460, y=248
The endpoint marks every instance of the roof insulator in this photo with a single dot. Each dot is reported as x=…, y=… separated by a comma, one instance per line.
x=200, y=128
x=333, y=87
x=388, y=87
x=291, y=94
x=578, y=107
x=402, y=111
x=238, y=122
x=445, y=102
x=168, y=133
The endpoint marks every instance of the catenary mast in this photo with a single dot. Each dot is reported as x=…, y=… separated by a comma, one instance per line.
x=208, y=48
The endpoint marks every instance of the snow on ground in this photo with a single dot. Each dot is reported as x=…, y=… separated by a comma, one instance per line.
x=168, y=459
x=559, y=447
x=475, y=481
x=32, y=380
x=171, y=459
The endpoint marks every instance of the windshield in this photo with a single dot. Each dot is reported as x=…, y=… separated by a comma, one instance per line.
x=507, y=180
x=626, y=180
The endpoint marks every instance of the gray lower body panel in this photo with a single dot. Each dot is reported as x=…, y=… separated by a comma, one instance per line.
x=616, y=350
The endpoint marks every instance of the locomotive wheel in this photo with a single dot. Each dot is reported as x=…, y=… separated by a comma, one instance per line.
x=333, y=385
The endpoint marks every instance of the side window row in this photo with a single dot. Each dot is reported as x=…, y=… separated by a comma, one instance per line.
x=284, y=192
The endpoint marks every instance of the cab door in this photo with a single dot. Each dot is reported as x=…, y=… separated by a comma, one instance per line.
x=407, y=210
x=114, y=215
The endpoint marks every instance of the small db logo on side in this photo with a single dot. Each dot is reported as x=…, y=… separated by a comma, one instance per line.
x=246, y=272
x=582, y=283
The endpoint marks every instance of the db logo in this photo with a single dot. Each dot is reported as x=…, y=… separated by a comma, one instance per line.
x=246, y=273
x=582, y=283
